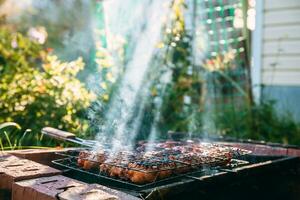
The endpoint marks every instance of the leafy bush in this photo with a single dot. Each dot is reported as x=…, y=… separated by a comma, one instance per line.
x=270, y=126
x=259, y=122
x=37, y=89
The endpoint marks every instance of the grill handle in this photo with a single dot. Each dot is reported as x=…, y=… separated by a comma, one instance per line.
x=67, y=137
x=58, y=134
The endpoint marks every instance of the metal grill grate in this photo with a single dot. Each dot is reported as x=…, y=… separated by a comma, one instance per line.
x=180, y=165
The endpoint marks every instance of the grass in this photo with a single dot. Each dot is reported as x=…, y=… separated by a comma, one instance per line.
x=12, y=137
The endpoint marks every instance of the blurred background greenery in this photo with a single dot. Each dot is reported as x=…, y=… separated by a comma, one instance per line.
x=50, y=51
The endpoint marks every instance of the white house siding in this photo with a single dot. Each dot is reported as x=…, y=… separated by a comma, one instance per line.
x=280, y=59
x=281, y=43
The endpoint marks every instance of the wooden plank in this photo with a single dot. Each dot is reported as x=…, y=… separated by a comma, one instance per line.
x=279, y=4
x=288, y=78
x=281, y=47
x=281, y=63
x=282, y=32
x=282, y=17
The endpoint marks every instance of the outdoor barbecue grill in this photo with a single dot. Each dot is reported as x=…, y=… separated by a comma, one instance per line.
x=207, y=179
x=71, y=162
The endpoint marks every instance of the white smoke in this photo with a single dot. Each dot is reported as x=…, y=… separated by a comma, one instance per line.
x=142, y=23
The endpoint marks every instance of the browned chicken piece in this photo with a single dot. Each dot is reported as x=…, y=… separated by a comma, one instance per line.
x=105, y=168
x=88, y=165
x=116, y=171
x=165, y=174
x=82, y=157
x=90, y=160
x=142, y=177
x=145, y=175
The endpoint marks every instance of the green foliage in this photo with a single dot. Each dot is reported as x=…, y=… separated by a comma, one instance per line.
x=271, y=126
x=12, y=137
x=260, y=122
x=181, y=95
x=37, y=89
x=232, y=112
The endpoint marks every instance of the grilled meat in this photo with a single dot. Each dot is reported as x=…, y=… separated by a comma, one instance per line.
x=165, y=159
x=90, y=160
x=140, y=173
